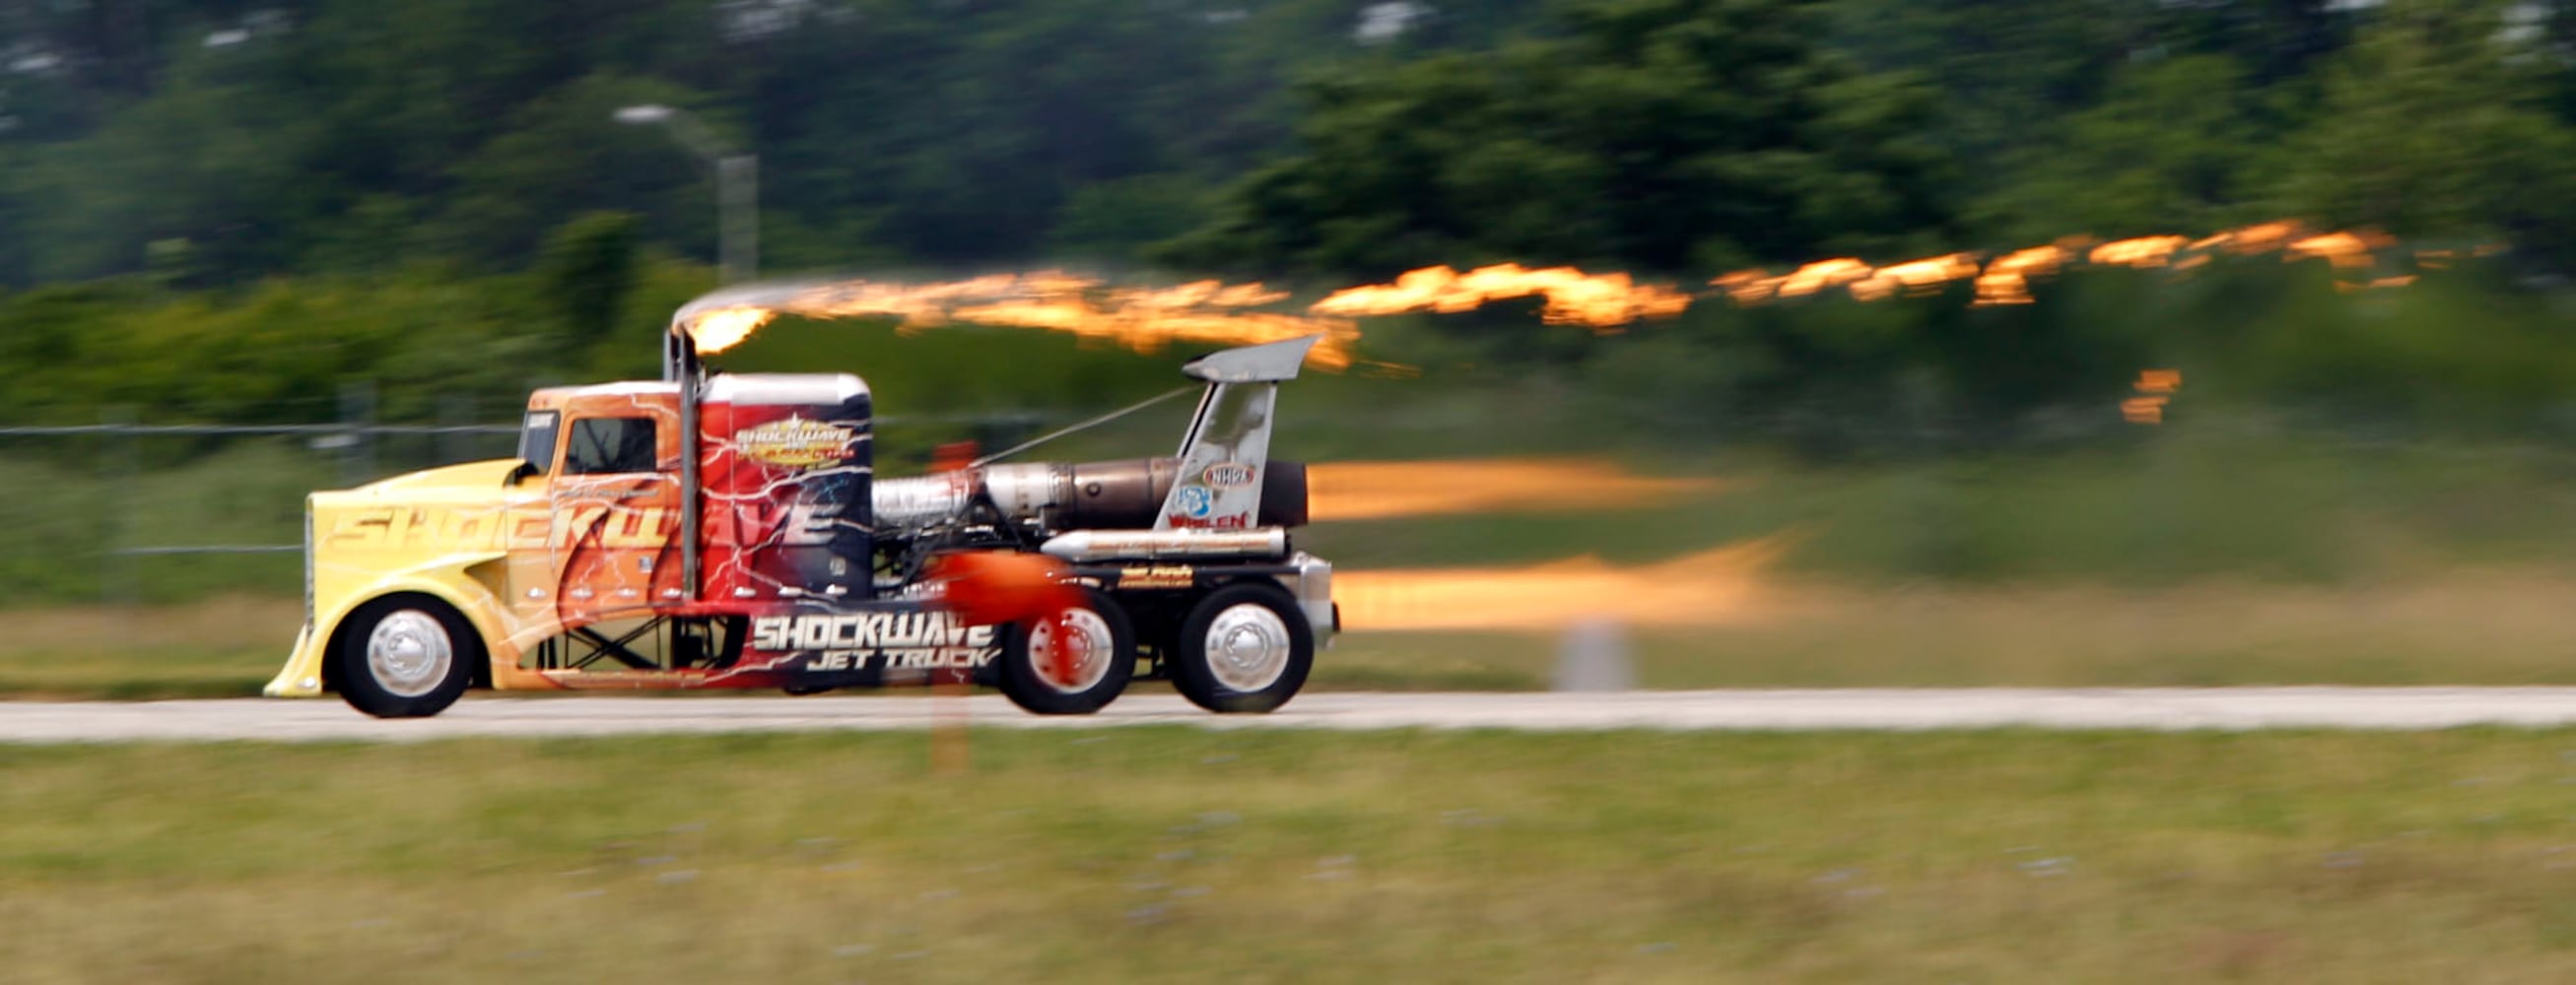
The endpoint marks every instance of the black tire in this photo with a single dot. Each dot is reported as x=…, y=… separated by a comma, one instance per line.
x=1257, y=678
x=411, y=679
x=1024, y=681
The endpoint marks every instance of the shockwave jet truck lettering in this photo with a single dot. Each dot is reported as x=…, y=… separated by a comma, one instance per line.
x=727, y=530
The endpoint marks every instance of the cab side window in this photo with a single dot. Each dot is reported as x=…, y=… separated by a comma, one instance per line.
x=610, y=444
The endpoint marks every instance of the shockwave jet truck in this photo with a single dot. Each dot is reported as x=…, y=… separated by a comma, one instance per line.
x=727, y=530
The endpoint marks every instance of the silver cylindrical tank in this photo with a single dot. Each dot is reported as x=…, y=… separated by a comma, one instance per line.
x=1117, y=495
x=920, y=501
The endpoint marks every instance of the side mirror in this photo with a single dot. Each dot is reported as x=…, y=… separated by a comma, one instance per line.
x=521, y=474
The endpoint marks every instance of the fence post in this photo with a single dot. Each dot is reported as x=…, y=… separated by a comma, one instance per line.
x=358, y=414
x=455, y=414
x=118, y=467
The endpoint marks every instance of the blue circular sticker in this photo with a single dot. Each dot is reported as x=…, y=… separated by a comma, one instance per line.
x=1195, y=501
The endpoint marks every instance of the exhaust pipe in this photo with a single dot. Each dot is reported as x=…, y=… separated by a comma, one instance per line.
x=1146, y=545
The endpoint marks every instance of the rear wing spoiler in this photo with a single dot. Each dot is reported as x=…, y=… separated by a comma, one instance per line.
x=1228, y=444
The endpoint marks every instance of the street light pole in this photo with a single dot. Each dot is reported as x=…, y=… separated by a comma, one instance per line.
x=738, y=183
x=737, y=188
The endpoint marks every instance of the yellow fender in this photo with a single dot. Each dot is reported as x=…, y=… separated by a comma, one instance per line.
x=445, y=578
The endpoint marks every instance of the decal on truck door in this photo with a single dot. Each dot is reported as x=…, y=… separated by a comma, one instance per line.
x=920, y=640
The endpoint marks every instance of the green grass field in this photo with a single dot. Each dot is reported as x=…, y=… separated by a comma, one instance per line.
x=1177, y=854
x=2499, y=627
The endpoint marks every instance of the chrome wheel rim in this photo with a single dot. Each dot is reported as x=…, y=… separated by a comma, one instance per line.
x=1091, y=644
x=409, y=653
x=1248, y=646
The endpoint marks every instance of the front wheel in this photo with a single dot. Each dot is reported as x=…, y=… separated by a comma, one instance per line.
x=405, y=656
x=1244, y=649
x=1074, y=664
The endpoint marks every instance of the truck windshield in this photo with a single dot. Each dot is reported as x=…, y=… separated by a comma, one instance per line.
x=537, y=440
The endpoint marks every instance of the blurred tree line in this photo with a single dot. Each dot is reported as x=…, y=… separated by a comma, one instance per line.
x=357, y=183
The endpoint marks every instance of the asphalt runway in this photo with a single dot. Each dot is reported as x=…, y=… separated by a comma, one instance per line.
x=2162, y=709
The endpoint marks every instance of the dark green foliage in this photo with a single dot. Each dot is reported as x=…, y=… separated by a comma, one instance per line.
x=211, y=144
x=1674, y=134
x=213, y=213
x=356, y=134
x=588, y=268
x=2171, y=146
x=2435, y=124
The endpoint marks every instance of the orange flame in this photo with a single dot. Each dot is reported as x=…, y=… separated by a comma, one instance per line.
x=2144, y=251
x=2007, y=280
x=1916, y=278
x=2343, y=249
x=1378, y=490
x=1748, y=287
x=723, y=328
x=1602, y=302
x=1757, y=286
x=2159, y=386
x=1823, y=274
x=2375, y=283
x=1708, y=588
x=2262, y=237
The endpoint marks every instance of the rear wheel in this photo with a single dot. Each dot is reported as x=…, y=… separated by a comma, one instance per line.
x=405, y=656
x=1244, y=649
x=1072, y=665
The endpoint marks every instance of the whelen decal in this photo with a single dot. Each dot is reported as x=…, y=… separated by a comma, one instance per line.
x=795, y=443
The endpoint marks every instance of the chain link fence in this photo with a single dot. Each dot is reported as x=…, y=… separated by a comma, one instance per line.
x=125, y=510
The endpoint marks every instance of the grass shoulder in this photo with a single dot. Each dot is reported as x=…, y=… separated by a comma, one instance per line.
x=1165, y=853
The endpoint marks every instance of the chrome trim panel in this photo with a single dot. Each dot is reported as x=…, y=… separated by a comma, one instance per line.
x=1312, y=583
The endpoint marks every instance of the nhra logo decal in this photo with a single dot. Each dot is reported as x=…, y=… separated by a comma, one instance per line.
x=795, y=443
x=895, y=640
x=1227, y=475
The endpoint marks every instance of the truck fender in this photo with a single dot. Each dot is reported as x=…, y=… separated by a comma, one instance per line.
x=448, y=579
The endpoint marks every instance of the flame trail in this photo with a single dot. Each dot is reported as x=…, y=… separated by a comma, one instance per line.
x=2144, y=251
x=1146, y=319
x=2007, y=280
x=1378, y=490
x=2345, y=250
x=1602, y=302
x=1140, y=319
x=1708, y=588
x=1916, y=278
